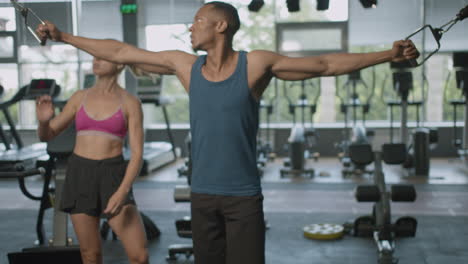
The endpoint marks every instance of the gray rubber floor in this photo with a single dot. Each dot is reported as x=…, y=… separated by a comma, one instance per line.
x=440, y=239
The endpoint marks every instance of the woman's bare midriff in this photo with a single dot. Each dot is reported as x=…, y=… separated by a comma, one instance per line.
x=97, y=147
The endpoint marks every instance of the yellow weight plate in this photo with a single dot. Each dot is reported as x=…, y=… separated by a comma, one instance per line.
x=323, y=231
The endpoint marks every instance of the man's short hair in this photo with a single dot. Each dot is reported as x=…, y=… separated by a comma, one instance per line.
x=230, y=12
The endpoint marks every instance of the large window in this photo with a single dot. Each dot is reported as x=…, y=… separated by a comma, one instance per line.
x=30, y=60
x=58, y=62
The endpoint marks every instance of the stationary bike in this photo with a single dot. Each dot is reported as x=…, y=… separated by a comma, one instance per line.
x=356, y=148
x=301, y=139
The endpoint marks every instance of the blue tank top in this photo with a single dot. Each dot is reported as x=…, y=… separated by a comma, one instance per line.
x=223, y=123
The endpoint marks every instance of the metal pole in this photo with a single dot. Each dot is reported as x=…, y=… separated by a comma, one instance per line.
x=465, y=129
x=13, y=131
x=302, y=100
x=60, y=224
x=404, y=122
x=379, y=180
x=76, y=18
x=19, y=70
x=346, y=108
x=169, y=131
x=404, y=115
x=130, y=36
x=423, y=51
x=391, y=124
x=354, y=100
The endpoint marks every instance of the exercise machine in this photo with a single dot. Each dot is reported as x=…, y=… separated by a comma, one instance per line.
x=418, y=148
x=184, y=225
x=356, y=148
x=379, y=224
x=3, y=137
x=419, y=142
x=155, y=153
x=264, y=146
x=460, y=64
x=14, y=150
x=436, y=35
x=186, y=169
x=302, y=138
x=59, y=247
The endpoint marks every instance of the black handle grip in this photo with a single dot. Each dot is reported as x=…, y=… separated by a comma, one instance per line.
x=22, y=174
x=44, y=40
x=413, y=62
x=463, y=13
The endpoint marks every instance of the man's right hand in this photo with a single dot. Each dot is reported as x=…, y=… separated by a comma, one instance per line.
x=44, y=108
x=49, y=31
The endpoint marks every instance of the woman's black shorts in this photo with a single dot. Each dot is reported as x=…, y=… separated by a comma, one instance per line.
x=89, y=184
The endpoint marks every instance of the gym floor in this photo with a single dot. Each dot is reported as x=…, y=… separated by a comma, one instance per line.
x=290, y=204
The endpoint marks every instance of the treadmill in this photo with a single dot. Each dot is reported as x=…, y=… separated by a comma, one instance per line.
x=157, y=153
x=16, y=153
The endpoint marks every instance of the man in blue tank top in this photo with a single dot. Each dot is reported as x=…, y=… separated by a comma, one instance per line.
x=224, y=88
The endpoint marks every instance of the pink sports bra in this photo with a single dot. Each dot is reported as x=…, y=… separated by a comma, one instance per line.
x=114, y=126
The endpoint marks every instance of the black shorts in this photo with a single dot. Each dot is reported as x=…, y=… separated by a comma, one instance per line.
x=89, y=184
x=228, y=229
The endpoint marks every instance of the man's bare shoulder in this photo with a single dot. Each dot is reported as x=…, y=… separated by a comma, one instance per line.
x=261, y=53
x=181, y=56
x=262, y=57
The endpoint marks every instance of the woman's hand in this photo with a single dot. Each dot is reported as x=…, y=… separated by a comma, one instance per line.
x=115, y=203
x=44, y=108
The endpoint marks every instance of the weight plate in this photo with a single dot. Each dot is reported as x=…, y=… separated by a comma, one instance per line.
x=323, y=231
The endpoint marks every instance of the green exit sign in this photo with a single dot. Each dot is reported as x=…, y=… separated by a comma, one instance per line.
x=128, y=8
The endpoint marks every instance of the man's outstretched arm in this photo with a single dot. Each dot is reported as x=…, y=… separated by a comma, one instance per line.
x=337, y=63
x=166, y=62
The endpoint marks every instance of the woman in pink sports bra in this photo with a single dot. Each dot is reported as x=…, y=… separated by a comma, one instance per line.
x=99, y=181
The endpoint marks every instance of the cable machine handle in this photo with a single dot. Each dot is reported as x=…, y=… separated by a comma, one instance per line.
x=463, y=13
